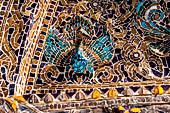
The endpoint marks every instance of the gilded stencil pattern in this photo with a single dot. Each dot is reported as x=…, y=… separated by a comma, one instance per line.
x=84, y=56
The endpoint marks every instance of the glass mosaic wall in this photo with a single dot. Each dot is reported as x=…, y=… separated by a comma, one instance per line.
x=78, y=56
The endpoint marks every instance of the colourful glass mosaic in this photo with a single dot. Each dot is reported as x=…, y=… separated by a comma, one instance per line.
x=84, y=56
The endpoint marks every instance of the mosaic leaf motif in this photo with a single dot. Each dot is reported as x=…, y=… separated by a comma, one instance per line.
x=102, y=56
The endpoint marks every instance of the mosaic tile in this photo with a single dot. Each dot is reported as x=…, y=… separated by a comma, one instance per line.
x=84, y=56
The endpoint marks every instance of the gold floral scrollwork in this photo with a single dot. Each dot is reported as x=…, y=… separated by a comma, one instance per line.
x=106, y=74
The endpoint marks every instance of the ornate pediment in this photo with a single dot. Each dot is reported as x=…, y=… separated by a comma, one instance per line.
x=84, y=56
